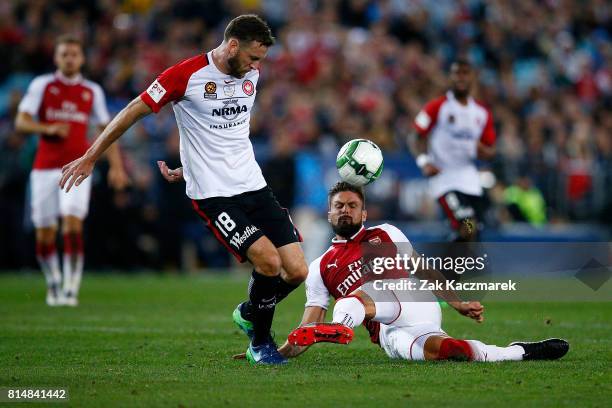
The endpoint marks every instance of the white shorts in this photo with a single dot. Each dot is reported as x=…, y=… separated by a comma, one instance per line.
x=407, y=318
x=50, y=202
x=407, y=343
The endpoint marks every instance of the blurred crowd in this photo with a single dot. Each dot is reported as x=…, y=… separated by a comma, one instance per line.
x=341, y=69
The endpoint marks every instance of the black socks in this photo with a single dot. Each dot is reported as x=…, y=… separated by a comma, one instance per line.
x=262, y=297
x=264, y=293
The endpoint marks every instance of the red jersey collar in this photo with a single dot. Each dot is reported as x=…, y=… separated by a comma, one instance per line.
x=355, y=237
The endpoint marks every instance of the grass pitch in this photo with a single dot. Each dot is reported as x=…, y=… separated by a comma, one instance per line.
x=148, y=341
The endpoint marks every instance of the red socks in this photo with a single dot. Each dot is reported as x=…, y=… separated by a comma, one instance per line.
x=453, y=349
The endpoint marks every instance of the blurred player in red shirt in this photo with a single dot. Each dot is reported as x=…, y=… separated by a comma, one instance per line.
x=453, y=131
x=65, y=104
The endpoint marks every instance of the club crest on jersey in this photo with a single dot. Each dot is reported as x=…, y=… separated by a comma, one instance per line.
x=210, y=90
x=375, y=241
x=248, y=88
x=231, y=110
x=86, y=96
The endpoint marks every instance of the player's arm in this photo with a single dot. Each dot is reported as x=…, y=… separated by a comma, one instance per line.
x=485, y=149
x=317, y=301
x=473, y=310
x=485, y=152
x=417, y=141
x=25, y=123
x=171, y=175
x=117, y=176
x=312, y=314
x=418, y=147
x=75, y=172
x=29, y=107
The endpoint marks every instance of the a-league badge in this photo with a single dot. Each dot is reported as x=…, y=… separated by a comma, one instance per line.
x=248, y=87
x=211, y=89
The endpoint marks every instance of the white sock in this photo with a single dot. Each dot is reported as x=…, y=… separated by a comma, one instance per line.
x=485, y=352
x=349, y=312
x=73, y=271
x=67, y=269
x=77, y=273
x=51, y=269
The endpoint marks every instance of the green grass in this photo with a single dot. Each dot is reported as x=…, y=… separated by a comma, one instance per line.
x=147, y=341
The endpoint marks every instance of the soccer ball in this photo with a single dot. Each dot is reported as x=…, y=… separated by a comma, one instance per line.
x=359, y=162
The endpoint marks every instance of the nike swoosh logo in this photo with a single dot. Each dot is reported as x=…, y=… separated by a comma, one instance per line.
x=228, y=82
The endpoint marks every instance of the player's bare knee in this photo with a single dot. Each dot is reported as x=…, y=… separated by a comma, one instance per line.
x=431, y=349
x=296, y=273
x=72, y=225
x=268, y=264
x=46, y=235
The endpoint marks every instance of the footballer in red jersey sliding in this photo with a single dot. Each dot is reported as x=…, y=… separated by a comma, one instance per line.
x=60, y=107
x=410, y=330
x=452, y=131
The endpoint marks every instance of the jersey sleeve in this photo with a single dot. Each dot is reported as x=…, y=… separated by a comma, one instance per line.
x=171, y=84
x=426, y=119
x=398, y=237
x=33, y=97
x=316, y=292
x=488, y=133
x=100, y=115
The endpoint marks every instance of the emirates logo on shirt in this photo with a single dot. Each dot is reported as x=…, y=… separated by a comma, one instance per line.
x=248, y=87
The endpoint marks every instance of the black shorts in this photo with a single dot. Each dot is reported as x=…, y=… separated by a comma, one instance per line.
x=459, y=207
x=240, y=220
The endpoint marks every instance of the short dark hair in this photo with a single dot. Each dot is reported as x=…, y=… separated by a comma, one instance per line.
x=249, y=27
x=462, y=61
x=344, y=186
x=68, y=39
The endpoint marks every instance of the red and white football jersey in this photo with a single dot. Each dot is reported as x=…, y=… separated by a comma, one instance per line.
x=340, y=270
x=76, y=101
x=453, y=132
x=213, y=112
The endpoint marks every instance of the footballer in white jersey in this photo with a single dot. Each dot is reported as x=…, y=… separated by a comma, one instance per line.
x=212, y=95
x=452, y=131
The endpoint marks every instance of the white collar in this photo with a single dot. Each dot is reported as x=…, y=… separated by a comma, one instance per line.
x=68, y=81
x=451, y=97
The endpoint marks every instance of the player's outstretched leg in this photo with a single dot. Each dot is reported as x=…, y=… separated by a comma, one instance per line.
x=348, y=313
x=550, y=349
x=310, y=334
x=448, y=348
